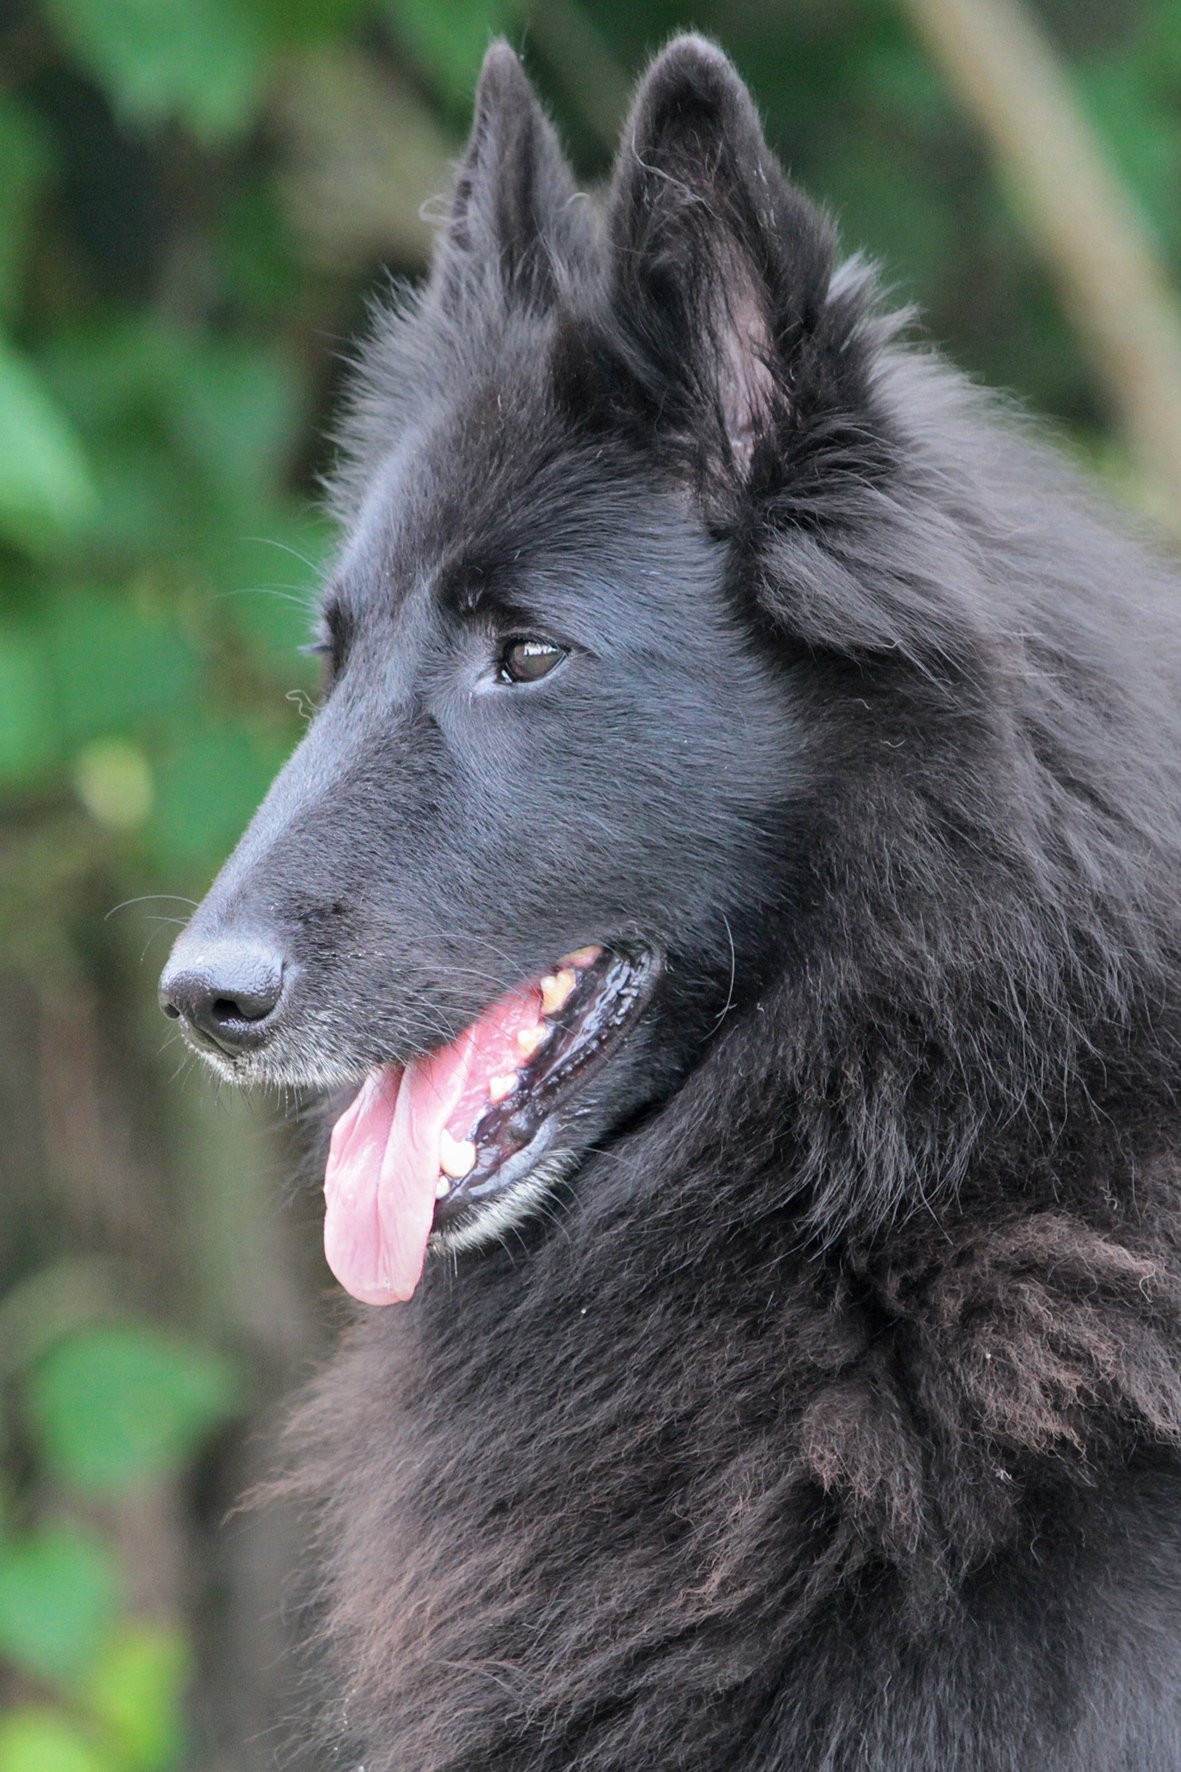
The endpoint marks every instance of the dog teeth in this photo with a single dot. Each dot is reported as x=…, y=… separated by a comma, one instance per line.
x=499, y=1087
x=555, y=990
x=529, y=1039
x=581, y=957
x=457, y=1156
x=442, y=1188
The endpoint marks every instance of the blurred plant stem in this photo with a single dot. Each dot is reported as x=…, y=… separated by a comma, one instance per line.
x=1080, y=218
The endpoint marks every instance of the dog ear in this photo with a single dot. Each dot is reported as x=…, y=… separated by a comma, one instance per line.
x=516, y=219
x=719, y=267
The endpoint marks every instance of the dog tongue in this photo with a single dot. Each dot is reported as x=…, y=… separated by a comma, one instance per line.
x=379, y=1190
x=383, y=1162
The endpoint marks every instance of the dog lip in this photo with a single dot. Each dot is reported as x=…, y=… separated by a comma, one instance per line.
x=203, y=1042
x=338, y=1073
x=513, y=1136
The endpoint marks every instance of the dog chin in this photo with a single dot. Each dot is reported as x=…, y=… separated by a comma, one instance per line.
x=518, y=1203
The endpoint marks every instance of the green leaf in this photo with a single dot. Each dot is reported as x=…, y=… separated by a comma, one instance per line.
x=113, y=780
x=135, y=1694
x=113, y=664
x=45, y=484
x=208, y=792
x=144, y=502
x=199, y=61
x=111, y=372
x=191, y=436
x=257, y=252
x=29, y=739
x=25, y=162
x=1160, y=45
x=57, y=1597
x=272, y=579
x=234, y=411
x=37, y=1740
x=308, y=21
x=449, y=37
x=119, y=1405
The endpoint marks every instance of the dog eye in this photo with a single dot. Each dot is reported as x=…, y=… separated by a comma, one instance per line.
x=526, y=661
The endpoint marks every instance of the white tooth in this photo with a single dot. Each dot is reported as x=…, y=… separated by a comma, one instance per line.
x=581, y=957
x=442, y=1188
x=529, y=1039
x=555, y=989
x=499, y=1087
x=457, y=1156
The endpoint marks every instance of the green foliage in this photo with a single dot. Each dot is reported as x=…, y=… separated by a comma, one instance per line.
x=26, y=159
x=124, y=1707
x=44, y=481
x=184, y=243
x=134, y=1691
x=119, y=1405
x=208, y=788
x=111, y=662
x=200, y=62
x=114, y=1409
x=310, y=21
x=57, y=1596
x=28, y=740
x=1138, y=117
x=448, y=37
x=38, y=1740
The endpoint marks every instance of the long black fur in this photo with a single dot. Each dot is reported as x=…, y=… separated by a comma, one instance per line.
x=829, y=1420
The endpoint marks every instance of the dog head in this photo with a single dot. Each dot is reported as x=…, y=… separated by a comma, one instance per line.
x=546, y=827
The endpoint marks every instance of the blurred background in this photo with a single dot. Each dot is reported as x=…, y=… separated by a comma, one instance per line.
x=197, y=199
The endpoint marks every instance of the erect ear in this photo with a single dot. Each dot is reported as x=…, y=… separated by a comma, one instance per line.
x=719, y=267
x=516, y=219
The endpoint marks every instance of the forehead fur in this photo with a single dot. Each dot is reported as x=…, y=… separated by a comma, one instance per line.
x=876, y=506
x=480, y=461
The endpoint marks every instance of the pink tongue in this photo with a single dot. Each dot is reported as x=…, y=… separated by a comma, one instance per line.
x=383, y=1162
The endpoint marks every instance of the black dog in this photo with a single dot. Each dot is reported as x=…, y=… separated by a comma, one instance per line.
x=738, y=859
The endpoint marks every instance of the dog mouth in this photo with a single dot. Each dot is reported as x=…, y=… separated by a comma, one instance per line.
x=454, y=1146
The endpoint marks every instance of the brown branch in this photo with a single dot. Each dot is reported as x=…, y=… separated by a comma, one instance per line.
x=1081, y=220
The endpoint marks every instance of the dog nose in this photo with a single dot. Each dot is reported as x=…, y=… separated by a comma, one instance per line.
x=225, y=990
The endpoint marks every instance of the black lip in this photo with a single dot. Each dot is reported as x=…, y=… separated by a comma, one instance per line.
x=513, y=1136
x=201, y=1041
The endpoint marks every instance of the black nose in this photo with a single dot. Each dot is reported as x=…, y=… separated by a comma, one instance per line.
x=225, y=989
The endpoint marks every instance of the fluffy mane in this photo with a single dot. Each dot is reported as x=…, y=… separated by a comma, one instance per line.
x=894, y=1278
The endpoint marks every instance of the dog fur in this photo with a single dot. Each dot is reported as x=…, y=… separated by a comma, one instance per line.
x=827, y=1419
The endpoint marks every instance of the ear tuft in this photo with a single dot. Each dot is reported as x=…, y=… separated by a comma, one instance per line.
x=514, y=217
x=691, y=102
x=718, y=262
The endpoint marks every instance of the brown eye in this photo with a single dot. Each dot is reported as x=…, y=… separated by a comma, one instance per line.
x=526, y=661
